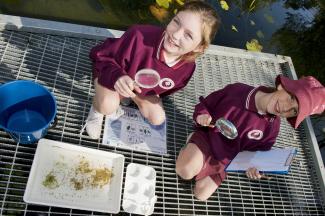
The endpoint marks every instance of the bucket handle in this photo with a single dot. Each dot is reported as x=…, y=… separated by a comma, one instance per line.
x=12, y=136
x=54, y=123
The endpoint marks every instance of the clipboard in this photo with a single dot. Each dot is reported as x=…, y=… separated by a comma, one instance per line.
x=276, y=160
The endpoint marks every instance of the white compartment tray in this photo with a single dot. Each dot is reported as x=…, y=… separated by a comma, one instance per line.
x=77, y=177
x=139, y=190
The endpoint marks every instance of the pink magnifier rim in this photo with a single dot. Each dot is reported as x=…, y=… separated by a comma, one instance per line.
x=146, y=71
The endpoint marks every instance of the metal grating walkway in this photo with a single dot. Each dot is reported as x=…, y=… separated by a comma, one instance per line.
x=62, y=65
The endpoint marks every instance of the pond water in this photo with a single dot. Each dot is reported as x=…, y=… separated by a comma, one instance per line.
x=294, y=28
x=289, y=27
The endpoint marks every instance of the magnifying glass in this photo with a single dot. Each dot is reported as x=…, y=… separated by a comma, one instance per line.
x=227, y=128
x=147, y=78
x=224, y=126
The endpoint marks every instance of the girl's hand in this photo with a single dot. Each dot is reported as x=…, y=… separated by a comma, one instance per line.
x=253, y=173
x=204, y=120
x=125, y=86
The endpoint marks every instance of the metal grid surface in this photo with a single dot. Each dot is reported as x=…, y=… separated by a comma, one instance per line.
x=62, y=65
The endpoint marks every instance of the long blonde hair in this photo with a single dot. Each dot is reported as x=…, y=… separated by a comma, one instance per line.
x=210, y=24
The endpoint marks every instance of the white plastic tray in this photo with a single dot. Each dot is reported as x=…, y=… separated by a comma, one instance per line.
x=76, y=183
x=139, y=190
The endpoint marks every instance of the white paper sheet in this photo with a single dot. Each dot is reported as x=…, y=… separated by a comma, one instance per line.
x=128, y=129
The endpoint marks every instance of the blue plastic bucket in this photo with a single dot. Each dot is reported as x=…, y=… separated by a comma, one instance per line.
x=27, y=110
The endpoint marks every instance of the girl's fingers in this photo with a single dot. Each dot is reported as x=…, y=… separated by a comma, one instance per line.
x=257, y=174
x=206, y=119
x=125, y=86
x=249, y=174
x=129, y=84
x=209, y=120
x=253, y=173
x=201, y=122
x=120, y=91
x=205, y=122
x=137, y=89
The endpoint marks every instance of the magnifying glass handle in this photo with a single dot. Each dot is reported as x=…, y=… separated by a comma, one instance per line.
x=207, y=126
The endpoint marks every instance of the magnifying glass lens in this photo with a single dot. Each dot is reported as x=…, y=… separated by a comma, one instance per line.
x=147, y=78
x=227, y=128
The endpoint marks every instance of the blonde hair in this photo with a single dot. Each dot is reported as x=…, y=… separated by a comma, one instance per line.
x=210, y=24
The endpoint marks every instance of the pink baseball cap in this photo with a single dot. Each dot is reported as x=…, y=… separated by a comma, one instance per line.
x=310, y=95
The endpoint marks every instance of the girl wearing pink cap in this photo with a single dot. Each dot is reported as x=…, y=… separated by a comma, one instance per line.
x=256, y=113
x=171, y=52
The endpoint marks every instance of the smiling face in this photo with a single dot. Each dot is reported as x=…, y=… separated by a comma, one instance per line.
x=282, y=103
x=183, y=34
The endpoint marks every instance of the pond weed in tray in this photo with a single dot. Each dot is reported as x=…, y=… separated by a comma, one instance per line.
x=71, y=176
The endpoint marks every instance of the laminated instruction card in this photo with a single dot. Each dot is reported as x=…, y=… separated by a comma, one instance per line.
x=127, y=128
x=275, y=160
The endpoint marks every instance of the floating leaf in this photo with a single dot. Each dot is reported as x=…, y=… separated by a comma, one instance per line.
x=254, y=45
x=160, y=13
x=180, y=2
x=269, y=18
x=260, y=34
x=234, y=28
x=252, y=22
x=163, y=3
x=224, y=5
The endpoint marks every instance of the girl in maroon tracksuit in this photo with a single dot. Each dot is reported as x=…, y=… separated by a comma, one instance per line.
x=256, y=113
x=171, y=52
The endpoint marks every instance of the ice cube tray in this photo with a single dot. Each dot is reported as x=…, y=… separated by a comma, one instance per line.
x=139, y=190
